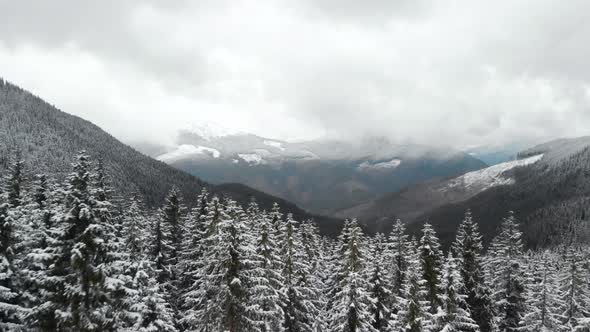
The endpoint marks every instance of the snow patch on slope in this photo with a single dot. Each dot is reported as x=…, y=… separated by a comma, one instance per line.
x=274, y=144
x=186, y=151
x=252, y=158
x=392, y=164
x=490, y=177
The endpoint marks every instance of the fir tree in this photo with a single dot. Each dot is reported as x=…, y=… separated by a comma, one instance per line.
x=431, y=260
x=509, y=280
x=543, y=303
x=80, y=300
x=380, y=285
x=267, y=293
x=414, y=306
x=299, y=308
x=453, y=315
x=576, y=292
x=351, y=304
x=171, y=221
x=144, y=307
x=399, y=254
x=10, y=312
x=14, y=182
x=228, y=273
x=467, y=248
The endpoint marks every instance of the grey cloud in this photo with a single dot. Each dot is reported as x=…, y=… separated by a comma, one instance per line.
x=463, y=73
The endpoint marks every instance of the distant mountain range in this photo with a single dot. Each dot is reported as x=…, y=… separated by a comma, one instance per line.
x=323, y=176
x=548, y=188
x=375, y=180
x=49, y=139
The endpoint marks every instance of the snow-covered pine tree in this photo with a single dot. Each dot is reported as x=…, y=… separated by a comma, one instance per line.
x=157, y=239
x=196, y=314
x=575, y=291
x=143, y=306
x=155, y=312
x=299, y=308
x=453, y=315
x=509, y=280
x=350, y=311
x=380, y=285
x=81, y=298
x=192, y=250
x=311, y=243
x=266, y=292
x=431, y=259
x=172, y=224
x=35, y=224
x=14, y=232
x=223, y=299
x=468, y=248
x=398, y=243
x=414, y=306
x=10, y=311
x=335, y=278
x=14, y=182
x=543, y=303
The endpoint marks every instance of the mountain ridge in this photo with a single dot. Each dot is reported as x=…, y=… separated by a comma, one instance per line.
x=49, y=139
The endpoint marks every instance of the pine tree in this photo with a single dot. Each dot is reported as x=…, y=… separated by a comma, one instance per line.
x=171, y=223
x=267, y=293
x=192, y=246
x=543, y=303
x=414, y=306
x=228, y=271
x=467, y=248
x=311, y=244
x=399, y=252
x=351, y=304
x=453, y=316
x=10, y=312
x=509, y=280
x=431, y=260
x=380, y=285
x=144, y=307
x=35, y=223
x=576, y=292
x=14, y=182
x=79, y=297
x=299, y=308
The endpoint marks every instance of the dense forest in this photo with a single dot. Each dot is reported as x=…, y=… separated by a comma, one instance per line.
x=76, y=256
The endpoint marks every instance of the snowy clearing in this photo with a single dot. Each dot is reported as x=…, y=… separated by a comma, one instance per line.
x=491, y=176
x=186, y=151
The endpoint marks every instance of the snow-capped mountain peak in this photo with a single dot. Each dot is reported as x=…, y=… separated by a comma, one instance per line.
x=209, y=131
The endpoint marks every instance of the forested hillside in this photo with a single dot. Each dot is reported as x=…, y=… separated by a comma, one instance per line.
x=48, y=140
x=549, y=197
x=74, y=258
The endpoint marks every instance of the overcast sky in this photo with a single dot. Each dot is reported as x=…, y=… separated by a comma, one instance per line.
x=457, y=72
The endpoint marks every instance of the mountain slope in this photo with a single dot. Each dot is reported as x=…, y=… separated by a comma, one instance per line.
x=416, y=200
x=323, y=176
x=548, y=189
x=49, y=139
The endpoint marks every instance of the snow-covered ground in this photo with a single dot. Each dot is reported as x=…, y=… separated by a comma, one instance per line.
x=274, y=144
x=392, y=164
x=187, y=150
x=491, y=176
x=252, y=158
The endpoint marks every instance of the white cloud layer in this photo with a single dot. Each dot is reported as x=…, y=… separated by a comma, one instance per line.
x=457, y=72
